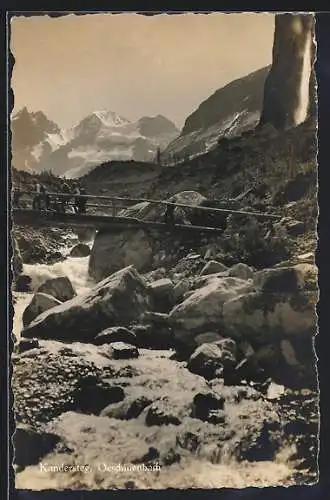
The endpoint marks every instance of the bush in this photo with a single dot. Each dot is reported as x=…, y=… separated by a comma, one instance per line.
x=257, y=244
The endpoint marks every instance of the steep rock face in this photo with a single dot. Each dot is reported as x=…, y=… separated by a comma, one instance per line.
x=33, y=136
x=228, y=112
x=289, y=86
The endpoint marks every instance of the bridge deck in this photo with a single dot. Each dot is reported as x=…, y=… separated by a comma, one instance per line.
x=48, y=218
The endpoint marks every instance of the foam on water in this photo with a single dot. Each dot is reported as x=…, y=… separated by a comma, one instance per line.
x=76, y=269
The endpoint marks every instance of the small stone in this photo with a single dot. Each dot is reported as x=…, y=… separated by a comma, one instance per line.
x=27, y=344
x=206, y=402
x=115, y=334
x=120, y=350
x=161, y=413
x=80, y=250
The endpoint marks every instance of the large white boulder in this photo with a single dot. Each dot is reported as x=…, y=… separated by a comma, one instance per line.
x=118, y=300
x=202, y=310
x=262, y=316
x=114, y=250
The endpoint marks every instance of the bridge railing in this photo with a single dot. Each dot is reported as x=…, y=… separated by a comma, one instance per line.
x=117, y=203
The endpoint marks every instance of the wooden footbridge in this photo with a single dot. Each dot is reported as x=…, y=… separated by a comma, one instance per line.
x=112, y=214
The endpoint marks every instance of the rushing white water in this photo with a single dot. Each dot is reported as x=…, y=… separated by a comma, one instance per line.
x=76, y=269
x=193, y=473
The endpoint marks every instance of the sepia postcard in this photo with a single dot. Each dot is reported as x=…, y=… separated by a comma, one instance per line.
x=164, y=286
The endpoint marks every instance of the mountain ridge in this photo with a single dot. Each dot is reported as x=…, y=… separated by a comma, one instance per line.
x=229, y=111
x=103, y=135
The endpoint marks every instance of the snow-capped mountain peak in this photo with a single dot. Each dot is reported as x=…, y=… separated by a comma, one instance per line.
x=100, y=137
x=110, y=118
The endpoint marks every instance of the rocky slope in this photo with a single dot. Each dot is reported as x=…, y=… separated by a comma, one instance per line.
x=228, y=112
x=39, y=144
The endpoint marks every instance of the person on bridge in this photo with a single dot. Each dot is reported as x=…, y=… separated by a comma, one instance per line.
x=36, y=200
x=44, y=198
x=82, y=201
x=169, y=215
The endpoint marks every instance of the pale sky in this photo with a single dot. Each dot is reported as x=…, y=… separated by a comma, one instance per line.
x=134, y=65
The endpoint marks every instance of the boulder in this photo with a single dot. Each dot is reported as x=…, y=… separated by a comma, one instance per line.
x=120, y=299
x=162, y=287
x=154, y=336
x=115, y=334
x=151, y=211
x=207, y=337
x=213, y=267
x=25, y=345
x=120, y=350
x=263, y=316
x=189, y=266
x=61, y=288
x=207, y=405
x=90, y=397
x=182, y=287
x=126, y=409
x=31, y=445
x=242, y=271
x=114, y=250
x=211, y=359
x=40, y=302
x=80, y=250
x=162, y=294
x=290, y=279
x=162, y=412
x=202, y=310
x=23, y=283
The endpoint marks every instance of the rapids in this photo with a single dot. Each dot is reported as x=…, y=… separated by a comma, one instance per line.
x=76, y=269
x=193, y=473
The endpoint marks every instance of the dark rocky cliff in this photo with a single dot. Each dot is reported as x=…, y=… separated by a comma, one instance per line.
x=290, y=85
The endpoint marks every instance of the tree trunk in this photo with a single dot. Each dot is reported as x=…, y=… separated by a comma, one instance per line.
x=289, y=94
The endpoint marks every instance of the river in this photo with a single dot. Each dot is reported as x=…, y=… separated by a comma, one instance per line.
x=195, y=474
